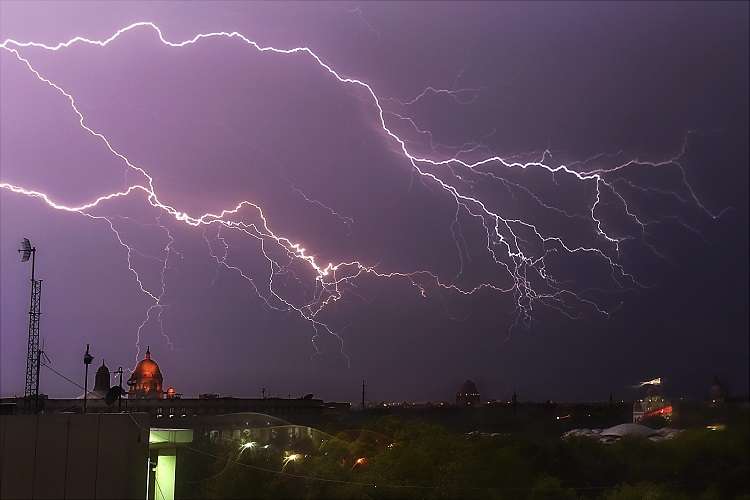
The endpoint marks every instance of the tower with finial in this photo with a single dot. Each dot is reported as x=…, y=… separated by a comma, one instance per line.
x=146, y=381
x=101, y=381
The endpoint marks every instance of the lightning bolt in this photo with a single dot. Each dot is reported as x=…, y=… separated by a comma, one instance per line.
x=466, y=95
x=347, y=221
x=358, y=12
x=517, y=248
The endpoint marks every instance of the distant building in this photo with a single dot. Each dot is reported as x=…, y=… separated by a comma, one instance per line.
x=146, y=381
x=468, y=395
x=101, y=380
x=101, y=384
x=717, y=394
x=653, y=404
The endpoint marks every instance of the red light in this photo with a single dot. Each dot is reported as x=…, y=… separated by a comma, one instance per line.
x=666, y=410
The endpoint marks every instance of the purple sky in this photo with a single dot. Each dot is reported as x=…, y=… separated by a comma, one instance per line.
x=218, y=122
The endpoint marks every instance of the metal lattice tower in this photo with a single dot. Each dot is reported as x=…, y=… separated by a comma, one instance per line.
x=35, y=311
x=32, y=352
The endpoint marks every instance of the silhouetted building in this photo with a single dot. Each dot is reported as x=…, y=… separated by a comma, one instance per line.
x=717, y=394
x=653, y=404
x=101, y=384
x=146, y=381
x=468, y=395
x=101, y=380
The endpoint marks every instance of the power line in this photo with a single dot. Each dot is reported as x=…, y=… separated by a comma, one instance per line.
x=63, y=376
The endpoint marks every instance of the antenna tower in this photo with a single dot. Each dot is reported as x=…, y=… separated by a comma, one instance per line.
x=35, y=311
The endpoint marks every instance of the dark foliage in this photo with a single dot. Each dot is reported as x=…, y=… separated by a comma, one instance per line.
x=418, y=460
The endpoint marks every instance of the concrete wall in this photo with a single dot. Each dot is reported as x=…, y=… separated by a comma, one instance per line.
x=67, y=456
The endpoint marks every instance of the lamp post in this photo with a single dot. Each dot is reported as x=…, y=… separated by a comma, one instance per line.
x=119, y=394
x=87, y=359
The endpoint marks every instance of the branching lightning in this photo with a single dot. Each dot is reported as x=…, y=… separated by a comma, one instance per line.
x=517, y=247
x=347, y=221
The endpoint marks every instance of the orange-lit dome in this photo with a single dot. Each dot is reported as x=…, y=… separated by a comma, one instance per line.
x=146, y=380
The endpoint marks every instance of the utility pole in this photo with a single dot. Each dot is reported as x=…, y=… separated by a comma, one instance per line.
x=119, y=394
x=36, y=387
x=38, y=363
x=363, y=394
x=87, y=359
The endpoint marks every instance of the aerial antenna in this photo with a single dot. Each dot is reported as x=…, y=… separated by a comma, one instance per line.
x=31, y=391
x=26, y=251
x=87, y=359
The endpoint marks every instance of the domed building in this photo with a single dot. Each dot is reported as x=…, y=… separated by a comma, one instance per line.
x=468, y=395
x=146, y=380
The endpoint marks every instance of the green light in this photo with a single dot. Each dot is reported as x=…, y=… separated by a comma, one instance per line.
x=165, y=477
x=171, y=436
x=164, y=444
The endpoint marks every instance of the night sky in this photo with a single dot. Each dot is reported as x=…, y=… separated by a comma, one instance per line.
x=591, y=86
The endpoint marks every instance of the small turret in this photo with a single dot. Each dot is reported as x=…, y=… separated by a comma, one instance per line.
x=102, y=379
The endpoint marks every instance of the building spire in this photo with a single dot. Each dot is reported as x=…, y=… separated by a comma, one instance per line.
x=148, y=352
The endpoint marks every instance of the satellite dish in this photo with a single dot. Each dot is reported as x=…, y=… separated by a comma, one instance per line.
x=113, y=394
x=25, y=250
